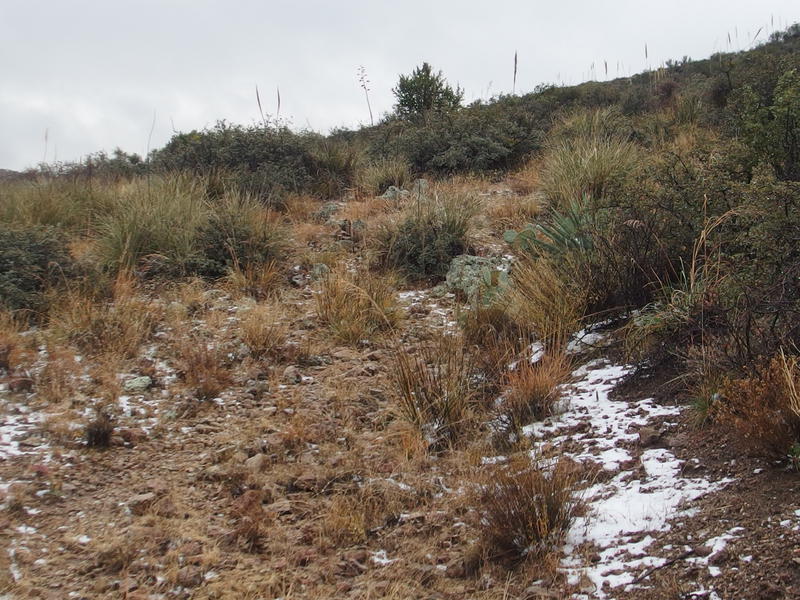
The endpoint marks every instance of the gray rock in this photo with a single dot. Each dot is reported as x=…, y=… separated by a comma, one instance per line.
x=466, y=273
x=291, y=375
x=420, y=188
x=141, y=502
x=319, y=270
x=395, y=193
x=137, y=385
x=326, y=211
x=257, y=463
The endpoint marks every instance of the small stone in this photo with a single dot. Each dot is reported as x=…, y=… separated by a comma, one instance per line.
x=648, y=437
x=291, y=375
x=138, y=385
x=257, y=463
x=190, y=577
x=141, y=502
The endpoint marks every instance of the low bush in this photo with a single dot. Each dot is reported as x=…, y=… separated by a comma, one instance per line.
x=764, y=409
x=32, y=259
x=426, y=236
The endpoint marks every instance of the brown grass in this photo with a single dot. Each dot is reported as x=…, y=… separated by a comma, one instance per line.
x=203, y=366
x=533, y=387
x=435, y=389
x=542, y=298
x=514, y=212
x=116, y=326
x=263, y=332
x=355, y=305
x=764, y=409
x=527, y=509
x=258, y=281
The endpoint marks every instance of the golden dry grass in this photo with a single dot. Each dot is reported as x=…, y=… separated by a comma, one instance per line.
x=356, y=304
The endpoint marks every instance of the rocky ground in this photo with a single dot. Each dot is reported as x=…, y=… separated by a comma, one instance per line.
x=297, y=479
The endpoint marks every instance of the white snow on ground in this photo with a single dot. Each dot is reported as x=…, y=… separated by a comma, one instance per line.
x=639, y=500
x=16, y=424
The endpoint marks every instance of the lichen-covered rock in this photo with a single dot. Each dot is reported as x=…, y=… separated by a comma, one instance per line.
x=468, y=273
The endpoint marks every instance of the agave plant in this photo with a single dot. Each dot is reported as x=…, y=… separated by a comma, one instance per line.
x=569, y=230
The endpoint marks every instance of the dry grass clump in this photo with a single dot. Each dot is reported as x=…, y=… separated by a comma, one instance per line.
x=374, y=178
x=423, y=239
x=355, y=305
x=435, y=389
x=263, y=332
x=351, y=517
x=99, y=430
x=495, y=336
x=527, y=179
x=15, y=351
x=533, y=387
x=158, y=216
x=116, y=326
x=542, y=299
x=255, y=280
x=513, y=212
x=590, y=152
x=527, y=509
x=203, y=366
x=765, y=409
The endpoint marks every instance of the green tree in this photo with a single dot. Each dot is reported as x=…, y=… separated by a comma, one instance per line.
x=423, y=91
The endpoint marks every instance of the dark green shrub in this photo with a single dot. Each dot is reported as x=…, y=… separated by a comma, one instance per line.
x=266, y=162
x=31, y=260
x=238, y=233
x=428, y=235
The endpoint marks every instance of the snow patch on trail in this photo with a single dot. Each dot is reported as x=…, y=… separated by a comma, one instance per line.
x=639, y=500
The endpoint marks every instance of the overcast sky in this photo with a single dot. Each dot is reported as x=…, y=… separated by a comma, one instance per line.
x=96, y=74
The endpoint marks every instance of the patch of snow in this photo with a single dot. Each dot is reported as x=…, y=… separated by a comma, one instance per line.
x=380, y=558
x=629, y=506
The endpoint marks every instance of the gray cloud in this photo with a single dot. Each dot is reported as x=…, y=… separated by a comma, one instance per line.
x=93, y=72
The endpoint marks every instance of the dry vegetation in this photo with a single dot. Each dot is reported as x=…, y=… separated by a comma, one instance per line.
x=234, y=382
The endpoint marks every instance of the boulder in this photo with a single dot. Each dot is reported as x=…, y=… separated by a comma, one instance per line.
x=468, y=273
x=137, y=385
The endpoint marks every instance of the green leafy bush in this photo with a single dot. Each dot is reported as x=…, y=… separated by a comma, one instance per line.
x=31, y=260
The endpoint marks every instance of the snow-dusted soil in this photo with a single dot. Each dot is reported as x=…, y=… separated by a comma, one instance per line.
x=641, y=491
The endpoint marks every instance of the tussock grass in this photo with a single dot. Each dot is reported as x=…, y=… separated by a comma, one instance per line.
x=203, y=366
x=356, y=305
x=435, y=389
x=73, y=204
x=527, y=508
x=533, y=387
x=160, y=216
x=258, y=281
x=423, y=239
x=543, y=299
x=375, y=177
x=263, y=332
x=104, y=326
x=589, y=152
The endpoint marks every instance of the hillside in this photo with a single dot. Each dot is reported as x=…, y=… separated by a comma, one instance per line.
x=543, y=347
